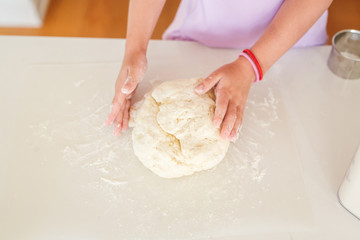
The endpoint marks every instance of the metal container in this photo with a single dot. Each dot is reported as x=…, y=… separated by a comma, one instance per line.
x=344, y=59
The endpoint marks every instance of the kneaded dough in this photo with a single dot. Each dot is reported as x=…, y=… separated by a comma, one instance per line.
x=173, y=132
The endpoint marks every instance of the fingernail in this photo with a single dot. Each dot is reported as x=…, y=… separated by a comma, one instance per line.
x=108, y=121
x=117, y=129
x=199, y=89
x=233, y=139
x=124, y=89
x=225, y=134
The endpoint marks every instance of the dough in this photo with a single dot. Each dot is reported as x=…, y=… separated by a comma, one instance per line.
x=173, y=132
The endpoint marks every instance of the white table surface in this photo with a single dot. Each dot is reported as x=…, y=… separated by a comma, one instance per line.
x=324, y=112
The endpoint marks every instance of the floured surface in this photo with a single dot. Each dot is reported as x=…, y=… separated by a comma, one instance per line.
x=173, y=132
x=73, y=178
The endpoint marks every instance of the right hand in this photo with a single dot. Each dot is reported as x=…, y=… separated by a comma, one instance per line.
x=131, y=73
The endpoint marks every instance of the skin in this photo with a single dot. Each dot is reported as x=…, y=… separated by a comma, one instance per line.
x=232, y=81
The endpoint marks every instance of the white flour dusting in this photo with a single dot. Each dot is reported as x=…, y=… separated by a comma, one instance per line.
x=88, y=143
x=79, y=83
x=129, y=192
x=100, y=175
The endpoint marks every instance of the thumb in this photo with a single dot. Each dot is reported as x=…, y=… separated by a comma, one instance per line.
x=132, y=80
x=206, y=84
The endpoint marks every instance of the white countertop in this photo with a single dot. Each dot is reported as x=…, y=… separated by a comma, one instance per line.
x=322, y=114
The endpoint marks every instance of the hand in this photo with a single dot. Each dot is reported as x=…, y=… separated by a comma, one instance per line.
x=232, y=84
x=132, y=72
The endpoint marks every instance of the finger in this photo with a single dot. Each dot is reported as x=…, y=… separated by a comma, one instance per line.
x=134, y=76
x=118, y=121
x=126, y=116
x=129, y=96
x=206, y=84
x=114, y=110
x=222, y=101
x=234, y=135
x=229, y=121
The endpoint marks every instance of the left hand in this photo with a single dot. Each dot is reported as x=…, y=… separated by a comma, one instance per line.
x=232, y=84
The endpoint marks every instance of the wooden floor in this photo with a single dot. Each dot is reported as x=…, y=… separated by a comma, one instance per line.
x=107, y=18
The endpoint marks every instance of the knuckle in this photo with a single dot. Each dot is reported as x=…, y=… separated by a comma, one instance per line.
x=220, y=88
x=223, y=102
x=224, y=93
x=232, y=109
x=220, y=92
x=239, y=109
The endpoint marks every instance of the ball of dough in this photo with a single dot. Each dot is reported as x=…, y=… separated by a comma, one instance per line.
x=173, y=132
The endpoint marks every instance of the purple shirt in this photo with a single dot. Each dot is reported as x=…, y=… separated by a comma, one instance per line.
x=233, y=23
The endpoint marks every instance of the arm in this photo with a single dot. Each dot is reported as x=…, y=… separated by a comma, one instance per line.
x=233, y=81
x=142, y=18
x=292, y=21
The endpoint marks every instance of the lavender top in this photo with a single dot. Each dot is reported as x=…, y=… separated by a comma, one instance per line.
x=233, y=23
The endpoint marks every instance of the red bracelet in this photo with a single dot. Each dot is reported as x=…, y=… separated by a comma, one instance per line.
x=252, y=56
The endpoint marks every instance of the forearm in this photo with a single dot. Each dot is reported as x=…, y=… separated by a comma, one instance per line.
x=292, y=21
x=142, y=18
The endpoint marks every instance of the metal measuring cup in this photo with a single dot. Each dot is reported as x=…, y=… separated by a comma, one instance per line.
x=344, y=59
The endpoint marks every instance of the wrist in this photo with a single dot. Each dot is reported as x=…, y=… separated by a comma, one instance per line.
x=262, y=56
x=135, y=56
x=135, y=52
x=247, y=69
x=135, y=47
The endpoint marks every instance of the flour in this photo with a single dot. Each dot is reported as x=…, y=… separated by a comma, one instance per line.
x=84, y=141
x=87, y=166
x=79, y=83
x=120, y=188
x=113, y=182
